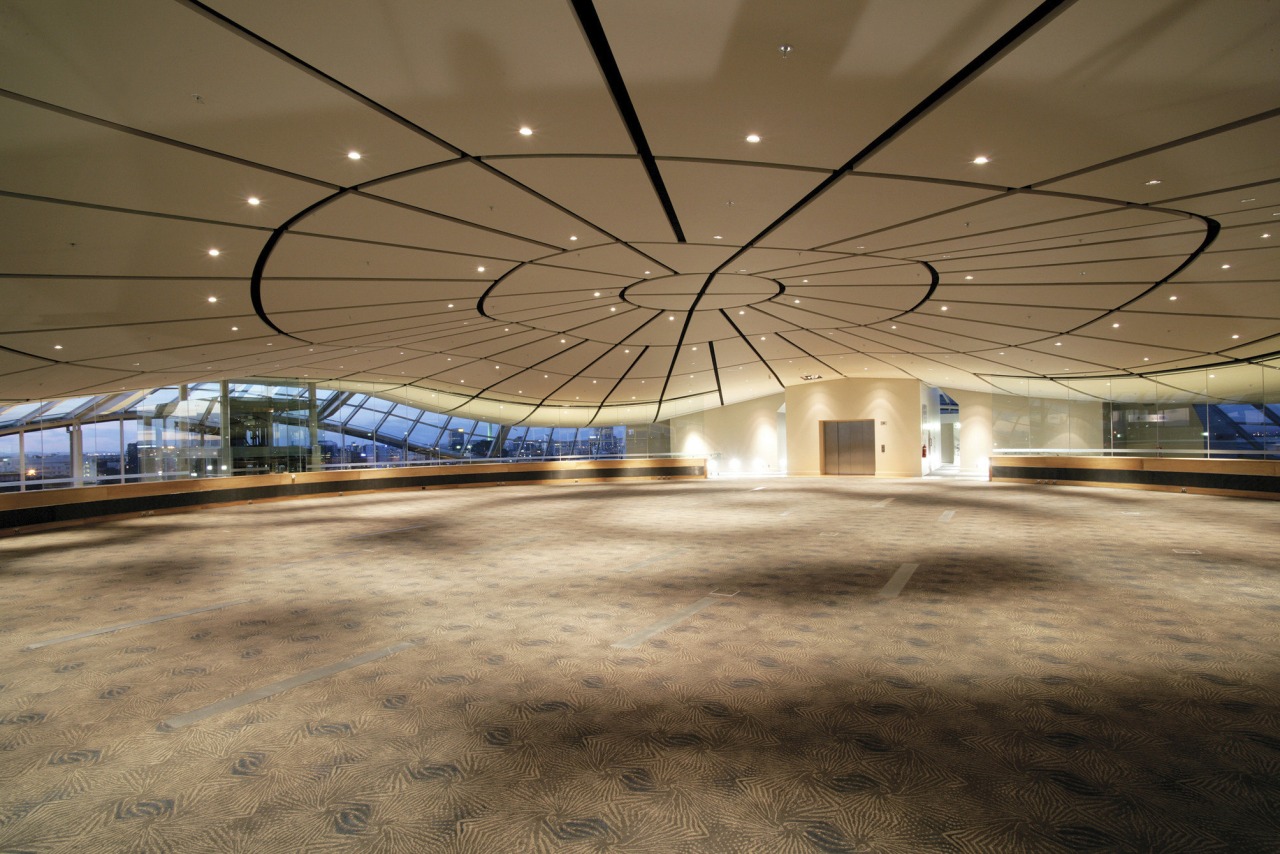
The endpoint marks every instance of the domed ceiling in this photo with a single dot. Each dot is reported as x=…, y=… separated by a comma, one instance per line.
x=543, y=211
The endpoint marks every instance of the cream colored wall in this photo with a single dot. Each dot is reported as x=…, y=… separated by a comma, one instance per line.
x=894, y=405
x=741, y=437
x=975, y=430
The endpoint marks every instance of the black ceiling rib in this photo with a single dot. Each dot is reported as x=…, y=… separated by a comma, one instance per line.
x=260, y=265
x=684, y=330
x=589, y=20
x=715, y=369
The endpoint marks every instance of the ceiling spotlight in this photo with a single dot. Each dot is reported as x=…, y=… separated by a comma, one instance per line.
x=1153, y=182
x=526, y=131
x=597, y=293
x=1173, y=299
x=753, y=137
x=797, y=301
x=1246, y=201
x=235, y=329
x=57, y=346
x=353, y=155
x=213, y=299
x=671, y=317
x=215, y=252
x=981, y=160
x=784, y=49
x=254, y=200
x=1226, y=266
x=573, y=237
x=613, y=308
x=1265, y=236
x=1115, y=326
x=450, y=305
x=1057, y=343
x=944, y=308
x=1235, y=336
x=716, y=237
x=479, y=269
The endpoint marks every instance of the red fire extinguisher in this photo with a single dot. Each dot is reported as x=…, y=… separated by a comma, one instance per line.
x=924, y=451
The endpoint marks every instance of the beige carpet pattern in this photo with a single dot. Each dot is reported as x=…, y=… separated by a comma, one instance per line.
x=1063, y=669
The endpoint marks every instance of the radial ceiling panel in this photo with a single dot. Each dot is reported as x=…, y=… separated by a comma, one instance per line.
x=1102, y=80
x=1099, y=296
x=375, y=220
x=1102, y=224
x=859, y=204
x=99, y=302
x=46, y=153
x=1233, y=158
x=610, y=259
x=575, y=183
x=446, y=67
x=134, y=135
x=1257, y=203
x=46, y=238
x=470, y=193
x=169, y=70
x=703, y=76
x=285, y=296
x=732, y=202
x=310, y=256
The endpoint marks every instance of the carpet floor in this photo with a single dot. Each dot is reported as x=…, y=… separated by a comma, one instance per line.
x=732, y=665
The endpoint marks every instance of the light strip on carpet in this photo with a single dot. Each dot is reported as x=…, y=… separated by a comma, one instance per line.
x=946, y=515
x=108, y=629
x=251, y=696
x=633, y=641
x=898, y=580
x=667, y=555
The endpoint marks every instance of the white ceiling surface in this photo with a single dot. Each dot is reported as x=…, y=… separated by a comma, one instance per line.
x=614, y=270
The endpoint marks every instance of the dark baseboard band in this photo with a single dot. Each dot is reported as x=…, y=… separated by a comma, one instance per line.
x=1206, y=476
x=118, y=501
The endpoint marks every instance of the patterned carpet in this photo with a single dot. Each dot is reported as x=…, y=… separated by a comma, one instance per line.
x=1062, y=670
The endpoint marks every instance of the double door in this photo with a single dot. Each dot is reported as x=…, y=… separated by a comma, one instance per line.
x=849, y=447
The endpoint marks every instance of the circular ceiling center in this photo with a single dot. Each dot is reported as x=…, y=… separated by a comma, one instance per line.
x=677, y=293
